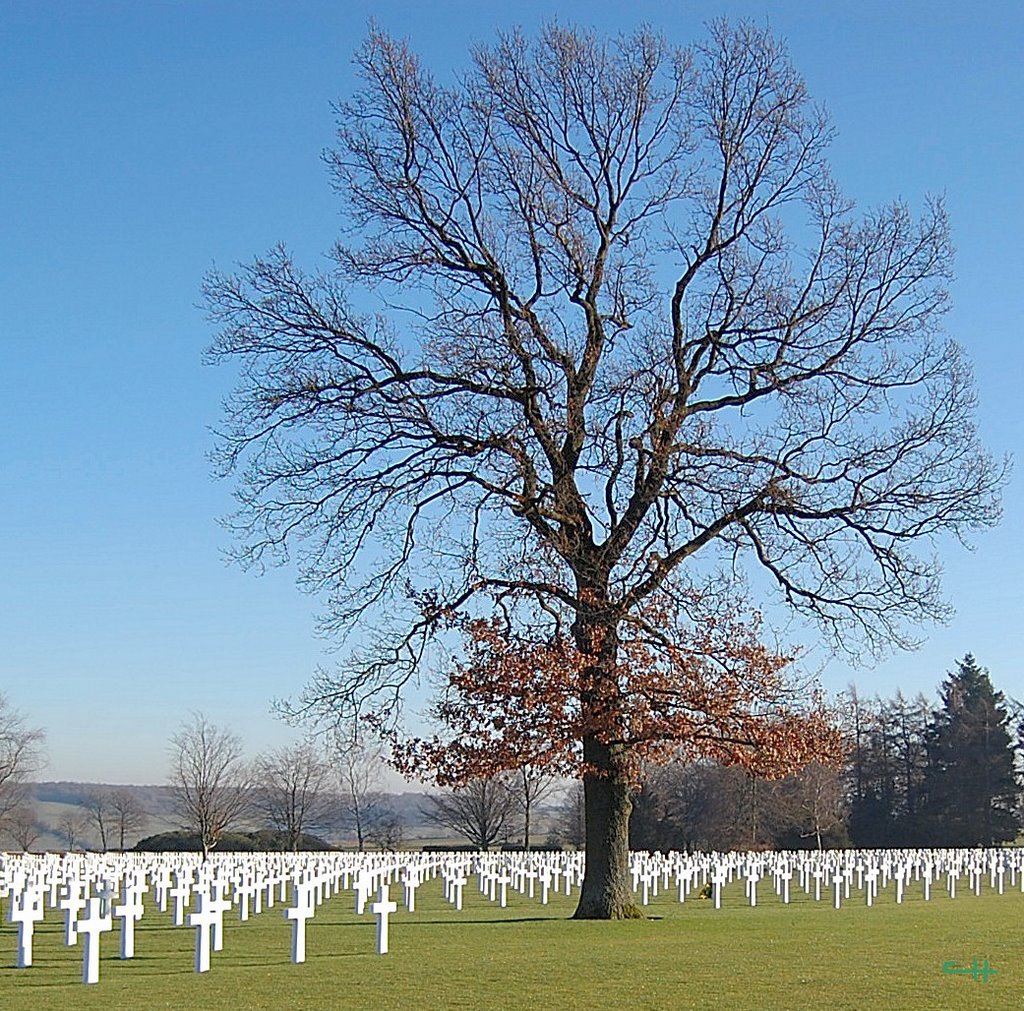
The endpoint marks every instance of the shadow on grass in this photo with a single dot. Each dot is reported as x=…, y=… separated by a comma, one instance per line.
x=449, y=922
x=456, y=921
x=151, y=973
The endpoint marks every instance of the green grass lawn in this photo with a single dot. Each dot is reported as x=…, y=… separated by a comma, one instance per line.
x=804, y=955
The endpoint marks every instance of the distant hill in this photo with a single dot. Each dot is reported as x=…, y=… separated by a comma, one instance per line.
x=155, y=800
x=59, y=804
x=63, y=807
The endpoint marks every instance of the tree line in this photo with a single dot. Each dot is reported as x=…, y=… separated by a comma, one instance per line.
x=945, y=773
x=916, y=774
x=296, y=790
x=290, y=789
x=287, y=793
x=293, y=797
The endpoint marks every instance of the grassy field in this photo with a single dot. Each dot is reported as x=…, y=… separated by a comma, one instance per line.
x=804, y=955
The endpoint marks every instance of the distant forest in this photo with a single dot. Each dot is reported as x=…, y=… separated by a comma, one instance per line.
x=917, y=774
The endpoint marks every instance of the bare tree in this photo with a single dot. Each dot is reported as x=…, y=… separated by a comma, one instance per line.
x=20, y=757
x=364, y=804
x=631, y=334
x=97, y=803
x=530, y=785
x=387, y=830
x=654, y=820
x=73, y=827
x=288, y=790
x=816, y=800
x=209, y=777
x=22, y=826
x=572, y=826
x=127, y=815
x=480, y=810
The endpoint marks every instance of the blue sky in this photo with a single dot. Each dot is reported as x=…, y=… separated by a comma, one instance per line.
x=142, y=143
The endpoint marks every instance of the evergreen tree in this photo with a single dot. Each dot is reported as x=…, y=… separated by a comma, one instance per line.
x=909, y=720
x=870, y=814
x=883, y=759
x=970, y=784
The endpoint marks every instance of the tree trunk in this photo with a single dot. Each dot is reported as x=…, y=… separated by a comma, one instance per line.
x=357, y=815
x=607, y=893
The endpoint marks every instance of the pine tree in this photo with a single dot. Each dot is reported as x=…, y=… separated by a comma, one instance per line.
x=970, y=785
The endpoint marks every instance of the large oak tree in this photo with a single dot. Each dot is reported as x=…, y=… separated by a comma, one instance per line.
x=601, y=325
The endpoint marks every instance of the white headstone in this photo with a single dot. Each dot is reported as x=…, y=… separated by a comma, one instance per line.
x=457, y=884
x=203, y=920
x=180, y=896
x=298, y=914
x=94, y=924
x=382, y=909
x=26, y=911
x=218, y=904
x=72, y=903
x=129, y=912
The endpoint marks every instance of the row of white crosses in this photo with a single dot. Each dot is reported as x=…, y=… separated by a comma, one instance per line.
x=26, y=909
x=94, y=891
x=834, y=872
x=91, y=884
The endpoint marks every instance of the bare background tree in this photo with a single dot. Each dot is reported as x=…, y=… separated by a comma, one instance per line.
x=661, y=807
x=289, y=790
x=73, y=828
x=127, y=816
x=97, y=804
x=818, y=801
x=116, y=813
x=210, y=779
x=529, y=787
x=631, y=335
x=21, y=755
x=364, y=805
x=480, y=811
x=571, y=823
x=388, y=830
x=22, y=826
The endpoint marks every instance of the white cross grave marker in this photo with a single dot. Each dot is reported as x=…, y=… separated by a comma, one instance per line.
x=298, y=914
x=203, y=920
x=72, y=903
x=382, y=909
x=26, y=912
x=94, y=924
x=545, y=883
x=502, y=880
x=362, y=887
x=107, y=893
x=180, y=894
x=219, y=904
x=129, y=912
x=457, y=884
